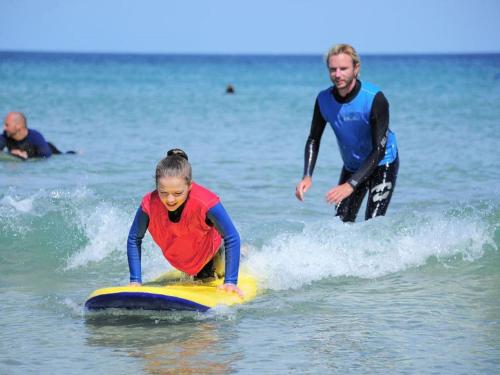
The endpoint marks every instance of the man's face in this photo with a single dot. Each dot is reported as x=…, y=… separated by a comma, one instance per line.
x=342, y=71
x=11, y=126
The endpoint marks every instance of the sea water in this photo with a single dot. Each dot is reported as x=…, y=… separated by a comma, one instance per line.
x=416, y=291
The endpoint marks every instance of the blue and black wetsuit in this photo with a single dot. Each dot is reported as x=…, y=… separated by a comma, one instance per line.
x=34, y=144
x=216, y=216
x=367, y=146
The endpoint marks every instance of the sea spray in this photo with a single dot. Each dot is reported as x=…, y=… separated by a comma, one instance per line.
x=104, y=227
x=369, y=249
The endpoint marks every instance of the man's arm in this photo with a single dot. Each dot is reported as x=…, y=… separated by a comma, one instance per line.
x=379, y=121
x=3, y=142
x=311, y=152
x=40, y=144
x=313, y=141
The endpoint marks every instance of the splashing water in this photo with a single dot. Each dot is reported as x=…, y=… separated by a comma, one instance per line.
x=367, y=250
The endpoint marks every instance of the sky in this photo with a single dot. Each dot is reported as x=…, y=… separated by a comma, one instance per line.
x=250, y=27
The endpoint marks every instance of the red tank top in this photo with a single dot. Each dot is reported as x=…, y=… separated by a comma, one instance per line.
x=190, y=243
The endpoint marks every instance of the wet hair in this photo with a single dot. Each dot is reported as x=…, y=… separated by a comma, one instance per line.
x=175, y=164
x=345, y=49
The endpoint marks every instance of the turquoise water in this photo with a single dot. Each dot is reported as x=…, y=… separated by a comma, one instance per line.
x=417, y=291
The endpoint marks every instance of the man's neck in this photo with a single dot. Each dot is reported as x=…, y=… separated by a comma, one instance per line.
x=350, y=94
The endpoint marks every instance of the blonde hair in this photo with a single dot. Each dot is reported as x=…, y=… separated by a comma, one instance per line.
x=343, y=48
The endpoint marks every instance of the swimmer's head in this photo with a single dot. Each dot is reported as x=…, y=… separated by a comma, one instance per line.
x=15, y=125
x=173, y=179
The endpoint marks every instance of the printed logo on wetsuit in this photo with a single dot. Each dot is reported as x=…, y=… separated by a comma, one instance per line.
x=381, y=191
x=351, y=116
x=383, y=141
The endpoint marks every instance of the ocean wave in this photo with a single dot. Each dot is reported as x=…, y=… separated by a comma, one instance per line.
x=19, y=213
x=104, y=229
x=86, y=232
x=103, y=225
x=76, y=224
x=371, y=249
x=21, y=205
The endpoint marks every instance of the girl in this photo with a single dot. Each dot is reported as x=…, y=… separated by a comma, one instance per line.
x=188, y=223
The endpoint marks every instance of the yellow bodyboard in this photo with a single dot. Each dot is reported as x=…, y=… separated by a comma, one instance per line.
x=172, y=291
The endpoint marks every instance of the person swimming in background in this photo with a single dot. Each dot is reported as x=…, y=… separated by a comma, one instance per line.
x=188, y=223
x=23, y=142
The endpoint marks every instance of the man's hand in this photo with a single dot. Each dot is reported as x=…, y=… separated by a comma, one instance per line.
x=302, y=187
x=339, y=193
x=21, y=154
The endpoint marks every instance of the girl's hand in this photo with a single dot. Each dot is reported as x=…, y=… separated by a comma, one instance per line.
x=231, y=288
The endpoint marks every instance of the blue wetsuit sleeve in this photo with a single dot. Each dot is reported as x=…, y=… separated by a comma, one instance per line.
x=40, y=144
x=134, y=243
x=222, y=222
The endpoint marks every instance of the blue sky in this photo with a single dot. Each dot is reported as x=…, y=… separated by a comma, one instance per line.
x=253, y=26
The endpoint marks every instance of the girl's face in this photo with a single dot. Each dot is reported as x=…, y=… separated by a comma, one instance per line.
x=173, y=191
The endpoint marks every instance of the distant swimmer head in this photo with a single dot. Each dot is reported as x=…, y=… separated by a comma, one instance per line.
x=230, y=89
x=173, y=179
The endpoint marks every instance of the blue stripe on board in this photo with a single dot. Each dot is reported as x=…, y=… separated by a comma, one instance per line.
x=144, y=301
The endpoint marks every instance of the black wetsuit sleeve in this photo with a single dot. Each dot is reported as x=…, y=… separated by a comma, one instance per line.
x=379, y=121
x=313, y=141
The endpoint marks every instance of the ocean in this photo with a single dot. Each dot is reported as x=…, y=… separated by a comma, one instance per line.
x=414, y=292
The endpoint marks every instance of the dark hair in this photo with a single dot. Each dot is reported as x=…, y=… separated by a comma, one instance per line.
x=175, y=164
x=177, y=151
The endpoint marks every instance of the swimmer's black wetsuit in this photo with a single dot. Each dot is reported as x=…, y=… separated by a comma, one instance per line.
x=34, y=144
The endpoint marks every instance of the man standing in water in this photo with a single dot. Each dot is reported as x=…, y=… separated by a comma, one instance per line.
x=358, y=113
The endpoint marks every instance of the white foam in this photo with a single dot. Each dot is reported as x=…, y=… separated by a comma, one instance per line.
x=37, y=203
x=76, y=194
x=73, y=307
x=366, y=249
x=106, y=229
x=22, y=205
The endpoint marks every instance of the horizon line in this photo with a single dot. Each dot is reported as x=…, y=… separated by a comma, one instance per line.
x=263, y=54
